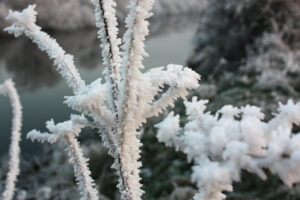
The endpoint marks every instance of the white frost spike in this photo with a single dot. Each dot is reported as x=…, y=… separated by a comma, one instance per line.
x=22, y=20
x=68, y=130
x=235, y=139
x=8, y=89
x=24, y=23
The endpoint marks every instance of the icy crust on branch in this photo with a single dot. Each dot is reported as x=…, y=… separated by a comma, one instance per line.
x=232, y=140
x=68, y=131
x=8, y=89
x=24, y=23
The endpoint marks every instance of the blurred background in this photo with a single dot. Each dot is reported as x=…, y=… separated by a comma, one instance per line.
x=246, y=51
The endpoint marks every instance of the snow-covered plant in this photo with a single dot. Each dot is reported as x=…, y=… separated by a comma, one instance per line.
x=232, y=140
x=68, y=130
x=8, y=89
x=118, y=106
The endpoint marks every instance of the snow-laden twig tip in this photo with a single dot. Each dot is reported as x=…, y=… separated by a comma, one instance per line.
x=22, y=21
x=8, y=89
x=68, y=131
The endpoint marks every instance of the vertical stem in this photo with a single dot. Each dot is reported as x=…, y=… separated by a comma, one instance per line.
x=107, y=23
x=14, y=149
x=133, y=47
x=81, y=170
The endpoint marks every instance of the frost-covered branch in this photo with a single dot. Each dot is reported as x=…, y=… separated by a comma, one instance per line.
x=119, y=106
x=24, y=23
x=8, y=89
x=91, y=100
x=178, y=79
x=134, y=51
x=68, y=130
x=106, y=21
x=222, y=145
x=133, y=47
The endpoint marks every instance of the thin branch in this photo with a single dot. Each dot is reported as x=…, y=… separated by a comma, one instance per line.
x=133, y=47
x=9, y=90
x=68, y=130
x=24, y=23
x=106, y=21
x=82, y=173
x=178, y=79
x=36, y=135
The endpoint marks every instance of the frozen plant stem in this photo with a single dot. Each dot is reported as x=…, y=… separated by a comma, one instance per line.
x=68, y=130
x=8, y=89
x=128, y=97
x=106, y=21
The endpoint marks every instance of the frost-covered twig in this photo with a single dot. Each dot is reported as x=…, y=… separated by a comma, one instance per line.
x=178, y=79
x=127, y=98
x=106, y=21
x=68, y=130
x=222, y=145
x=8, y=89
x=133, y=47
x=24, y=23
